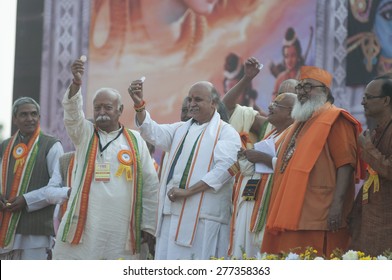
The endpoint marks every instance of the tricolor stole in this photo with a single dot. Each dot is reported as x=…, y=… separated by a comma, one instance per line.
x=77, y=213
x=236, y=197
x=20, y=184
x=190, y=210
x=63, y=207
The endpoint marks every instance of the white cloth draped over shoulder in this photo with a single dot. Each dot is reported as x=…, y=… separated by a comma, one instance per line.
x=215, y=152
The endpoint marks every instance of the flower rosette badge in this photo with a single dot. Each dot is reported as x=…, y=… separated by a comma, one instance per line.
x=125, y=159
x=19, y=153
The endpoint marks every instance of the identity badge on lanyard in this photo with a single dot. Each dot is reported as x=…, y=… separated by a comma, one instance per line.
x=102, y=172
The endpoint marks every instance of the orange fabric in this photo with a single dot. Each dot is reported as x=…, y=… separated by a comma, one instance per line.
x=162, y=165
x=86, y=192
x=285, y=212
x=16, y=182
x=244, y=139
x=297, y=241
x=315, y=73
x=64, y=206
x=188, y=182
x=236, y=191
x=264, y=180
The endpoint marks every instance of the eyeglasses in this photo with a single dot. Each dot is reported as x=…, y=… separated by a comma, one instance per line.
x=368, y=97
x=306, y=87
x=274, y=105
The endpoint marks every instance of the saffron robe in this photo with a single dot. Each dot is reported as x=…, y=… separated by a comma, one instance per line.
x=303, y=193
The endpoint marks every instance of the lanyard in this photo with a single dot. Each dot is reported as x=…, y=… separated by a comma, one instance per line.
x=101, y=150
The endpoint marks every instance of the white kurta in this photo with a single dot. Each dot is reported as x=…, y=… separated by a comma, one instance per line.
x=244, y=241
x=212, y=231
x=106, y=231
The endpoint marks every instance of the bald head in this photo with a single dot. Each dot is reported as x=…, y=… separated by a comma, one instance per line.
x=204, y=86
x=201, y=102
x=288, y=86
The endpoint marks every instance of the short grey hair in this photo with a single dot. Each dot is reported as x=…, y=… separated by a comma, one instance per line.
x=288, y=86
x=23, y=101
x=112, y=91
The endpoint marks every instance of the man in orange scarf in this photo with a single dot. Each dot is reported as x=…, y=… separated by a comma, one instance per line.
x=28, y=161
x=314, y=178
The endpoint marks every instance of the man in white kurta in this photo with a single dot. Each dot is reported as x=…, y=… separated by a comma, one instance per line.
x=111, y=198
x=246, y=229
x=194, y=203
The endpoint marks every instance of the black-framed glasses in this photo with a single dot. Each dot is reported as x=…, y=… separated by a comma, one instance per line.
x=306, y=87
x=368, y=97
x=274, y=105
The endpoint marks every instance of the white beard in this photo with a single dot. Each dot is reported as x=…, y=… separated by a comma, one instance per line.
x=303, y=112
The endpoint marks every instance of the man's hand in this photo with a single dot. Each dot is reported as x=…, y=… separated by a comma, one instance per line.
x=334, y=220
x=2, y=202
x=77, y=69
x=15, y=204
x=177, y=193
x=365, y=139
x=135, y=90
x=252, y=67
x=150, y=240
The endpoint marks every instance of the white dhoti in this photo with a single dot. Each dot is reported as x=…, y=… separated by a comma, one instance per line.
x=211, y=241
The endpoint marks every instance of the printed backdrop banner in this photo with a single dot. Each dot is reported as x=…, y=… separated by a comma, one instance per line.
x=177, y=43
x=369, y=40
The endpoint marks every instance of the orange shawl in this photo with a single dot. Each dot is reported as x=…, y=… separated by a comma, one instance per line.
x=284, y=211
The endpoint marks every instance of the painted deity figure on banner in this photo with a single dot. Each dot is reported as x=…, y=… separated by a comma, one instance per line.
x=175, y=43
x=292, y=59
x=369, y=43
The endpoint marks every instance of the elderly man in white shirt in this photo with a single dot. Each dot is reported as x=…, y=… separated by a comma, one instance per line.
x=196, y=186
x=113, y=200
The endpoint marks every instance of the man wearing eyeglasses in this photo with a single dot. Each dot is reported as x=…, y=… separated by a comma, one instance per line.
x=250, y=193
x=314, y=177
x=371, y=222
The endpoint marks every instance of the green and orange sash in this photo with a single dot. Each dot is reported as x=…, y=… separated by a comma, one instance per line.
x=261, y=203
x=77, y=210
x=64, y=206
x=19, y=186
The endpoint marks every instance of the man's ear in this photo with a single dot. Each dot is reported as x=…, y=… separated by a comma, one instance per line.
x=121, y=108
x=388, y=100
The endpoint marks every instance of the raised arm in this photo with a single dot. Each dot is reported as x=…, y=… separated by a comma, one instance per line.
x=231, y=97
x=135, y=90
x=77, y=69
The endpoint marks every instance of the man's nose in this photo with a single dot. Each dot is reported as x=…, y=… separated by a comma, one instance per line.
x=29, y=117
x=102, y=111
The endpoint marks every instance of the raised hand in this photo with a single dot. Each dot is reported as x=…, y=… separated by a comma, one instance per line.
x=77, y=69
x=135, y=90
x=252, y=67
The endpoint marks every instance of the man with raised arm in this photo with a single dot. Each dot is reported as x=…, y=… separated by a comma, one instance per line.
x=196, y=186
x=113, y=199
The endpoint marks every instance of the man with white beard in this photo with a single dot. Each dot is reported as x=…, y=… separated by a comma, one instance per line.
x=314, y=180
